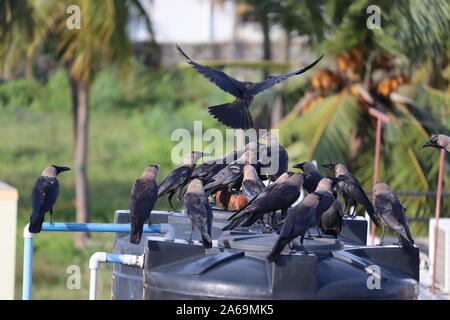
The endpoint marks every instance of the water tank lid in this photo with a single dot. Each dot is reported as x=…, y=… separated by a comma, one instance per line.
x=249, y=241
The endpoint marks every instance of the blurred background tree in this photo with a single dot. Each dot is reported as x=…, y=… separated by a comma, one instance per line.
x=102, y=39
x=380, y=68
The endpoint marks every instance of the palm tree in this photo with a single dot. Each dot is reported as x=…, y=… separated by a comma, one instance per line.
x=101, y=40
x=331, y=122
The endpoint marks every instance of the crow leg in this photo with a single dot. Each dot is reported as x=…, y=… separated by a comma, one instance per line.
x=319, y=235
x=301, y=243
x=346, y=200
x=51, y=216
x=180, y=194
x=383, y=231
x=170, y=201
x=192, y=231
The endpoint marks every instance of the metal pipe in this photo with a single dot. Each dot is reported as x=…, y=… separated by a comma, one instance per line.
x=96, y=227
x=101, y=257
x=381, y=117
x=27, y=263
x=437, y=216
x=375, y=170
x=163, y=228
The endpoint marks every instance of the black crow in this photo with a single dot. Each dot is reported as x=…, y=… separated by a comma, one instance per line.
x=208, y=169
x=352, y=190
x=331, y=220
x=178, y=178
x=142, y=200
x=273, y=158
x=43, y=196
x=327, y=197
x=236, y=114
x=231, y=175
x=301, y=216
x=251, y=184
x=197, y=208
x=439, y=141
x=310, y=183
x=279, y=195
x=392, y=213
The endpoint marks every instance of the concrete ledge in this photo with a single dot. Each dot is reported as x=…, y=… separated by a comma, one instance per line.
x=7, y=192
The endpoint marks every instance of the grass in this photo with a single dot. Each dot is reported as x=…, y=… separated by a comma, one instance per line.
x=121, y=145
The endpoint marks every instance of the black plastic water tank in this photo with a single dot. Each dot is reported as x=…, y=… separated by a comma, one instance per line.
x=236, y=267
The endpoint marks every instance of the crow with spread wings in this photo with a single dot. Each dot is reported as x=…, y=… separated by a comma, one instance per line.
x=236, y=114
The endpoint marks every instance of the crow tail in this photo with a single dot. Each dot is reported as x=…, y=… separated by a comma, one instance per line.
x=36, y=221
x=234, y=115
x=277, y=248
x=136, y=231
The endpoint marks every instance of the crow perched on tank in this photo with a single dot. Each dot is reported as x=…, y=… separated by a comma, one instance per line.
x=142, y=200
x=310, y=183
x=439, y=141
x=178, y=178
x=208, y=169
x=392, y=213
x=197, y=208
x=231, y=175
x=327, y=197
x=331, y=220
x=273, y=158
x=236, y=114
x=278, y=195
x=352, y=190
x=44, y=195
x=303, y=215
x=251, y=184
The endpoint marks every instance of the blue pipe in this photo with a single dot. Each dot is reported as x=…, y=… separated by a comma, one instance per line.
x=96, y=227
x=27, y=268
x=71, y=227
x=114, y=257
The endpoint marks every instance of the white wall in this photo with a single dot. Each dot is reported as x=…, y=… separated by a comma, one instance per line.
x=187, y=21
x=8, y=217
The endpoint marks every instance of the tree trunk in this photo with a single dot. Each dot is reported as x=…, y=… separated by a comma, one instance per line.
x=278, y=109
x=263, y=121
x=80, y=100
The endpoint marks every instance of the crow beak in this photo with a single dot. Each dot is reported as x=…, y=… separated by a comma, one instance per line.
x=429, y=144
x=299, y=165
x=339, y=179
x=61, y=169
x=328, y=166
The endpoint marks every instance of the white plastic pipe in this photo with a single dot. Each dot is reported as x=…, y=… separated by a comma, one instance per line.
x=101, y=257
x=169, y=230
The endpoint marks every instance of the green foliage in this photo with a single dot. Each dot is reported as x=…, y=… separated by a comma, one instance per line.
x=19, y=93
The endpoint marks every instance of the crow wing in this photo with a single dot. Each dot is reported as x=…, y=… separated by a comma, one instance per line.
x=219, y=78
x=270, y=82
x=43, y=197
x=274, y=197
x=174, y=180
x=252, y=188
x=143, y=198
